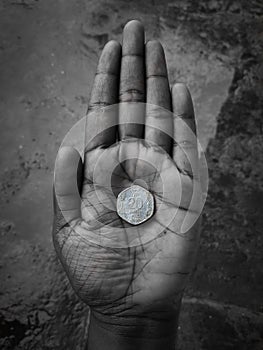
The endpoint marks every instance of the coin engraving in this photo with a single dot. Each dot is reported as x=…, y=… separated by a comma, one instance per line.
x=135, y=205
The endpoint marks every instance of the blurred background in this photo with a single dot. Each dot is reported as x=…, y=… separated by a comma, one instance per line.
x=48, y=54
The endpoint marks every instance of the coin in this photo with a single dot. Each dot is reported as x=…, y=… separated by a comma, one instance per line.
x=135, y=204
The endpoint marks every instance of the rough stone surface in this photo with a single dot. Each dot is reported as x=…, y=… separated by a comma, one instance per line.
x=48, y=52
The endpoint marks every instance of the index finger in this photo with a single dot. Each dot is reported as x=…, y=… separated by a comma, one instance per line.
x=104, y=93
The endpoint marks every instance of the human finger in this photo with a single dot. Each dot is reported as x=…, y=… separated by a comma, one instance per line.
x=67, y=185
x=101, y=127
x=159, y=122
x=132, y=81
x=185, y=152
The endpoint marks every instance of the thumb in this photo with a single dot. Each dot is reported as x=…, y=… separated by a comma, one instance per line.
x=67, y=186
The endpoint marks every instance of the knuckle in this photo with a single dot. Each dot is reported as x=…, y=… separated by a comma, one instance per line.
x=131, y=95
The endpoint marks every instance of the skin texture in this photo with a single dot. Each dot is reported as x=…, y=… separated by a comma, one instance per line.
x=134, y=288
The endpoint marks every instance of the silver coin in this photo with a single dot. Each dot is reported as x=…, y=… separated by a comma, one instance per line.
x=135, y=204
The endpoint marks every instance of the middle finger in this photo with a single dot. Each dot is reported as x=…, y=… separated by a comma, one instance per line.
x=132, y=81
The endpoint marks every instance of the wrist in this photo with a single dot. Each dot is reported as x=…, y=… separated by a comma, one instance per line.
x=132, y=333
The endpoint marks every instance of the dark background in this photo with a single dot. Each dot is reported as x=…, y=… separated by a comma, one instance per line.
x=48, y=55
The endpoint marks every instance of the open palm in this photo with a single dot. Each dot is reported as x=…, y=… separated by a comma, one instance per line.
x=118, y=269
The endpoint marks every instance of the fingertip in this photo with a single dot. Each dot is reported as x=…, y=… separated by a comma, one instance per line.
x=134, y=24
x=180, y=89
x=112, y=45
x=67, y=155
x=155, y=59
x=182, y=101
x=154, y=44
x=133, y=39
x=109, y=61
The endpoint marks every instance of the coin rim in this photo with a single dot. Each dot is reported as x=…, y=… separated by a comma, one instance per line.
x=148, y=194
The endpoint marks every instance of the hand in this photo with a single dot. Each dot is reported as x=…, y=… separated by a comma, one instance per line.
x=132, y=278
